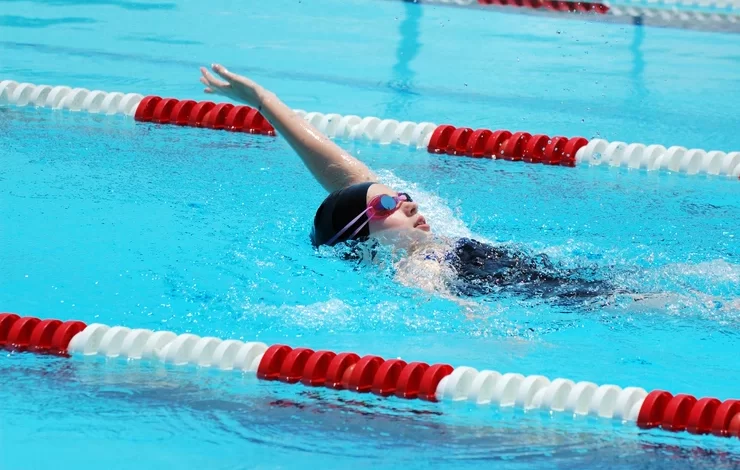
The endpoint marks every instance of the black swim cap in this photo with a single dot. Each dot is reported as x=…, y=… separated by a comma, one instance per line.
x=337, y=210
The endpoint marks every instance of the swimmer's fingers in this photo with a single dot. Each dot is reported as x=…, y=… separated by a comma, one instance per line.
x=211, y=81
x=208, y=89
x=233, y=78
x=225, y=74
x=214, y=85
x=235, y=86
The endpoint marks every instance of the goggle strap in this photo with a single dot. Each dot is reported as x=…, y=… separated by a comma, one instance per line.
x=346, y=227
x=358, y=229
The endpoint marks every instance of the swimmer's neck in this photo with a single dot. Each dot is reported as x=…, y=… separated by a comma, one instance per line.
x=414, y=244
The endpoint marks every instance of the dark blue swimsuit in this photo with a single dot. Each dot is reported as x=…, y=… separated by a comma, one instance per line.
x=484, y=269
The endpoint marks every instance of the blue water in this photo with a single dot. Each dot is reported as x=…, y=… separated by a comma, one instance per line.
x=105, y=220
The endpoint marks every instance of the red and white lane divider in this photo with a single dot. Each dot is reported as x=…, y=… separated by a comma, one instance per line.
x=540, y=148
x=723, y=11
x=447, y=139
x=349, y=371
x=207, y=114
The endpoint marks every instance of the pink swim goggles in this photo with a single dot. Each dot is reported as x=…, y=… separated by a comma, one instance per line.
x=379, y=207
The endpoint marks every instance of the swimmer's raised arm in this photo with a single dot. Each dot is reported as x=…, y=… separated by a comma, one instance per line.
x=333, y=167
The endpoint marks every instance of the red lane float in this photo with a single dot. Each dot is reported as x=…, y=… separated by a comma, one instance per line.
x=554, y=5
x=205, y=114
x=348, y=371
x=502, y=144
x=685, y=413
x=409, y=380
x=386, y=378
x=34, y=335
x=315, y=370
x=373, y=374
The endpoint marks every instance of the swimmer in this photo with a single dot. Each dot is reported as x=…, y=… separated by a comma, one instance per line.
x=359, y=212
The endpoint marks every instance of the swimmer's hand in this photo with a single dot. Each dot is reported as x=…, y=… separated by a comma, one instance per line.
x=333, y=167
x=233, y=86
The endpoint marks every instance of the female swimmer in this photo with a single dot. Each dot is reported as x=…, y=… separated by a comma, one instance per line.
x=359, y=209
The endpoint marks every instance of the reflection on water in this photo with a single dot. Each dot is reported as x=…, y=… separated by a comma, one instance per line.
x=406, y=51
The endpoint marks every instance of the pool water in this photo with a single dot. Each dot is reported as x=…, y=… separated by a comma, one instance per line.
x=161, y=227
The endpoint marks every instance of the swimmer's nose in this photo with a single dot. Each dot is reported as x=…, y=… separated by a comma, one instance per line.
x=410, y=208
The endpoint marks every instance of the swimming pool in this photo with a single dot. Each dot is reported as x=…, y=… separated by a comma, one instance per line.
x=106, y=220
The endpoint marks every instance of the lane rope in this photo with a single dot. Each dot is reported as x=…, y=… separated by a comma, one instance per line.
x=374, y=374
x=700, y=11
x=518, y=146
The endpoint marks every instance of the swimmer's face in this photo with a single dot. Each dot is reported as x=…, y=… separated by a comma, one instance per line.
x=405, y=219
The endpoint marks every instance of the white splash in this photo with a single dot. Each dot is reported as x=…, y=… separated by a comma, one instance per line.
x=716, y=270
